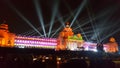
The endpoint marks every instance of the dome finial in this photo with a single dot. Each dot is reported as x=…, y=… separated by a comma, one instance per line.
x=67, y=24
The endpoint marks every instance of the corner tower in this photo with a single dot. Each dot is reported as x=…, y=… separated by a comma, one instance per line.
x=6, y=38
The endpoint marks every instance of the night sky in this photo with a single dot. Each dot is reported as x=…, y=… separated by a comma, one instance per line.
x=98, y=13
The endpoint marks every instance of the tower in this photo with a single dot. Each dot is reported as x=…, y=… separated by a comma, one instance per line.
x=63, y=36
x=111, y=46
x=6, y=38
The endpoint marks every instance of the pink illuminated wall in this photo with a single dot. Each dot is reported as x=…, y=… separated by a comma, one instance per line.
x=90, y=46
x=51, y=43
x=36, y=42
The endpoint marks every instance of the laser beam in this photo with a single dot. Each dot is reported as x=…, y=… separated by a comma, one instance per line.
x=39, y=13
x=78, y=11
x=55, y=9
x=24, y=18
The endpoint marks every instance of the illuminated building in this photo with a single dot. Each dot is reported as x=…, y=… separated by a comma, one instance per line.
x=35, y=42
x=6, y=38
x=112, y=46
x=75, y=42
x=88, y=46
x=67, y=39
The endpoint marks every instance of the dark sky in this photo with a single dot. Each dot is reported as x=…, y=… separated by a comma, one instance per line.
x=101, y=13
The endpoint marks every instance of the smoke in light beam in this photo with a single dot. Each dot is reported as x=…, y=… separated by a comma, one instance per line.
x=55, y=9
x=88, y=32
x=39, y=29
x=25, y=19
x=56, y=31
x=82, y=31
x=103, y=28
x=100, y=15
x=72, y=14
x=78, y=12
x=39, y=13
x=61, y=19
x=92, y=21
x=110, y=34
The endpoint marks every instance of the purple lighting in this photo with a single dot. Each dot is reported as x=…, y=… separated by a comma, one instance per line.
x=35, y=42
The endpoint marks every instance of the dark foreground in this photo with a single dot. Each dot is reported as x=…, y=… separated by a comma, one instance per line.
x=47, y=58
